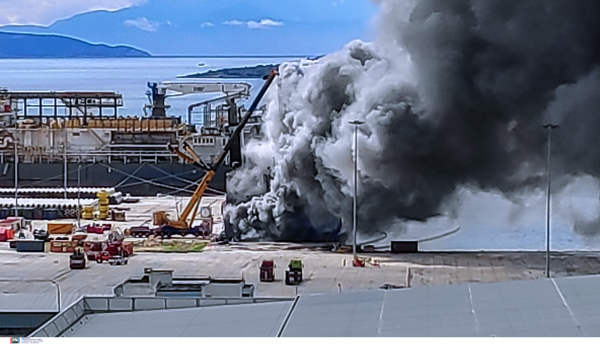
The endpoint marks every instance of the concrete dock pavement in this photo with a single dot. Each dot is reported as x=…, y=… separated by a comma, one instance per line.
x=324, y=272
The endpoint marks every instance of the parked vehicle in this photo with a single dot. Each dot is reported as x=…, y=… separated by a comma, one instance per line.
x=77, y=259
x=92, y=249
x=140, y=232
x=118, y=259
x=114, y=255
x=168, y=231
x=267, y=271
x=293, y=276
x=41, y=234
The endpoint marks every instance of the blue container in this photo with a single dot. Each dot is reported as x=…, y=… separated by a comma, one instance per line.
x=38, y=213
x=27, y=213
x=31, y=246
x=51, y=214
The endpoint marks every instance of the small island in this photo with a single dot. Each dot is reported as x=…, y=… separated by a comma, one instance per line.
x=236, y=73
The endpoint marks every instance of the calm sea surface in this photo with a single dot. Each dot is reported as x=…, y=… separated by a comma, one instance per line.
x=128, y=76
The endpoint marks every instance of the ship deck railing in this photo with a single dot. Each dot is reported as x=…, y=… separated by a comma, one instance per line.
x=92, y=156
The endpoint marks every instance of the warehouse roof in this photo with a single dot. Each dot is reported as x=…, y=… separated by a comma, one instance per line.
x=259, y=320
x=38, y=297
x=545, y=307
x=26, y=303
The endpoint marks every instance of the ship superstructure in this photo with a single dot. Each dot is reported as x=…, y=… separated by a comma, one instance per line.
x=52, y=135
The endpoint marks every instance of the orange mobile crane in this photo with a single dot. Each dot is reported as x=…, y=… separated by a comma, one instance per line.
x=184, y=224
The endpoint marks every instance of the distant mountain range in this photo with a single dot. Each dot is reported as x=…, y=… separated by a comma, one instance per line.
x=23, y=45
x=232, y=27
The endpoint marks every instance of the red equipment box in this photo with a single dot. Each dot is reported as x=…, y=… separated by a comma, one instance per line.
x=62, y=246
x=98, y=229
x=6, y=234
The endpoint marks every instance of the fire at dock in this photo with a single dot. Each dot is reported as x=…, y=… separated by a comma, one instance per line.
x=453, y=95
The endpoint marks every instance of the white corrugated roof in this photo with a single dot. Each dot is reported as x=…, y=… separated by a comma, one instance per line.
x=562, y=307
x=22, y=302
x=29, y=296
x=256, y=320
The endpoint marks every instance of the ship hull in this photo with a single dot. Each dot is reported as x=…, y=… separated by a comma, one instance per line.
x=137, y=179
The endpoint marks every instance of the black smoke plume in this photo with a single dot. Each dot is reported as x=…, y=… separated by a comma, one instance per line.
x=453, y=93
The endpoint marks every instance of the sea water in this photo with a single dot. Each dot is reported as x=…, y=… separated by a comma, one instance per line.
x=127, y=76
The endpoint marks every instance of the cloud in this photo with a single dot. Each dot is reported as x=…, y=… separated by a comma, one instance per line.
x=207, y=24
x=143, y=24
x=251, y=24
x=46, y=12
x=263, y=23
x=234, y=23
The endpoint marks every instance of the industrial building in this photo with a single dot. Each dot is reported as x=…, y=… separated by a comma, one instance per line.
x=545, y=307
x=162, y=283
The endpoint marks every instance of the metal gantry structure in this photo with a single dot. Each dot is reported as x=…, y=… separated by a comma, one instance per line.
x=42, y=105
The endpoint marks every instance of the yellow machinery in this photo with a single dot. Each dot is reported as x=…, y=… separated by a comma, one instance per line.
x=87, y=213
x=186, y=219
x=103, y=203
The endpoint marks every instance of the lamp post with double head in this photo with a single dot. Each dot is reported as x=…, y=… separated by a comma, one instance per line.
x=356, y=124
x=15, y=144
x=548, y=127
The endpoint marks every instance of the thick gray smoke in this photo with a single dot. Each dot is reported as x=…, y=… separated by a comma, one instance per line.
x=453, y=93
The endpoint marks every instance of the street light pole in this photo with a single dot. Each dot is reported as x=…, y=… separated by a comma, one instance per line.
x=79, y=196
x=549, y=127
x=16, y=178
x=356, y=123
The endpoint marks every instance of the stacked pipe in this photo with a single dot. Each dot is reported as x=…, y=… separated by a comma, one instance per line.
x=42, y=209
x=43, y=194
x=50, y=193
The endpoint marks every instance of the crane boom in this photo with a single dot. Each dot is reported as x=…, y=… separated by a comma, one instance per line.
x=183, y=222
x=240, y=127
x=191, y=157
x=197, y=87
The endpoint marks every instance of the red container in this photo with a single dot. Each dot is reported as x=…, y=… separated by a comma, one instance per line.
x=6, y=234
